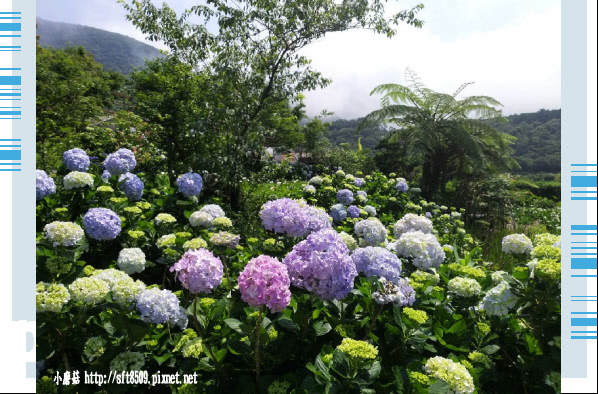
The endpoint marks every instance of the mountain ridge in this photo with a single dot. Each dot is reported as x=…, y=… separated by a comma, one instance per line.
x=117, y=52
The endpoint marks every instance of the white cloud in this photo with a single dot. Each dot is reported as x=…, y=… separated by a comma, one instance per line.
x=518, y=65
x=509, y=48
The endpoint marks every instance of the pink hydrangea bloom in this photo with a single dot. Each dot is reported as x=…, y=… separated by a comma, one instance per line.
x=199, y=271
x=265, y=281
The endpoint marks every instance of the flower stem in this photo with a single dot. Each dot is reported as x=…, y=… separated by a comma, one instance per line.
x=304, y=331
x=224, y=263
x=376, y=314
x=257, y=346
x=197, y=326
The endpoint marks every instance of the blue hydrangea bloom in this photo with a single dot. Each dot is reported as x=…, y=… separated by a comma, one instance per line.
x=159, y=306
x=353, y=211
x=131, y=185
x=190, y=184
x=370, y=210
x=321, y=264
x=402, y=186
x=377, y=261
x=371, y=231
x=362, y=193
x=106, y=176
x=101, y=224
x=44, y=185
x=344, y=196
x=338, y=212
x=120, y=162
x=76, y=160
x=359, y=182
x=429, y=215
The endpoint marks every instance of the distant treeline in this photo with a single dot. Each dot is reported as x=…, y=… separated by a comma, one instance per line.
x=537, y=149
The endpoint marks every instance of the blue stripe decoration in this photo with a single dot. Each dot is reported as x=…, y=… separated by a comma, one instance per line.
x=584, y=165
x=583, y=322
x=584, y=227
x=10, y=154
x=10, y=80
x=583, y=337
x=10, y=94
x=19, y=113
x=10, y=27
x=583, y=181
x=583, y=264
x=584, y=313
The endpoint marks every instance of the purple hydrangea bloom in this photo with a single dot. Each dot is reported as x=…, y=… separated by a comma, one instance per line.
x=131, y=185
x=344, y=196
x=321, y=264
x=101, y=224
x=362, y=193
x=44, y=185
x=338, y=212
x=359, y=182
x=400, y=294
x=353, y=211
x=288, y=217
x=76, y=160
x=265, y=281
x=402, y=186
x=190, y=184
x=199, y=271
x=120, y=162
x=377, y=261
x=317, y=219
x=275, y=214
x=106, y=176
x=159, y=306
x=429, y=215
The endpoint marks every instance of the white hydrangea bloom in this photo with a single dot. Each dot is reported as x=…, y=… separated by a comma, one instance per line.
x=162, y=218
x=89, y=290
x=454, y=374
x=517, y=244
x=464, y=287
x=63, y=233
x=412, y=222
x=76, y=180
x=423, y=250
x=371, y=231
x=499, y=300
x=131, y=260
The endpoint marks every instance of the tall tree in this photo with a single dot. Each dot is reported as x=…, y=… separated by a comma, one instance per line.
x=253, y=60
x=439, y=130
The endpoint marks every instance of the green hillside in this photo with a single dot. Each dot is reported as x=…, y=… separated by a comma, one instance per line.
x=538, y=146
x=116, y=52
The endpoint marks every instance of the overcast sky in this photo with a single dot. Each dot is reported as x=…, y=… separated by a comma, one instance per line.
x=511, y=49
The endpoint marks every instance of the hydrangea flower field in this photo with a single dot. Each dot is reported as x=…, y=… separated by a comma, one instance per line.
x=353, y=284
